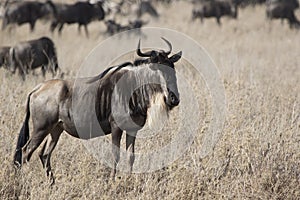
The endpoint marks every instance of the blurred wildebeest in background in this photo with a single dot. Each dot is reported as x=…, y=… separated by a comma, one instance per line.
x=33, y=54
x=283, y=9
x=146, y=7
x=110, y=8
x=6, y=3
x=112, y=27
x=27, y=12
x=4, y=57
x=138, y=9
x=137, y=23
x=214, y=8
x=59, y=105
x=80, y=12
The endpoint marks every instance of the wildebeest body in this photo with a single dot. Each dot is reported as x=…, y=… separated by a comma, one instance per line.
x=32, y=54
x=27, y=12
x=119, y=99
x=81, y=12
x=215, y=9
x=283, y=10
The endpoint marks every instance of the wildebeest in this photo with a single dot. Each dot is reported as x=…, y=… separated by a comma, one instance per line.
x=80, y=12
x=32, y=54
x=27, y=12
x=137, y=23
x=215, y=9
x=4, y=56
x=112, y=27
x=146, y=7
x=57, y=105
x=277, y=9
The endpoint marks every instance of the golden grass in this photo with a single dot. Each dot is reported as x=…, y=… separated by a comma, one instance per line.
x=257, y=157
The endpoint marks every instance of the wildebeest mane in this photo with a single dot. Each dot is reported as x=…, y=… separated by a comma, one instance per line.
x=102, y=74
x=141, y=61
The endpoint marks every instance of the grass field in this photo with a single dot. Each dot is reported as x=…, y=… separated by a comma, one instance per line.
x=257, y=157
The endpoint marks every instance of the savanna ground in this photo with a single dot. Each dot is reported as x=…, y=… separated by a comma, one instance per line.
x=257, y=157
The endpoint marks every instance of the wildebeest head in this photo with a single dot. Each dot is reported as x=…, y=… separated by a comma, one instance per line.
x=162, y=61
x=100, y=13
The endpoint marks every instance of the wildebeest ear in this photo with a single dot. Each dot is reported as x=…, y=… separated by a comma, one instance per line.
x=176, y=57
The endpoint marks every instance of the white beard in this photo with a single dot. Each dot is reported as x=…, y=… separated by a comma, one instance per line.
x=157, y=113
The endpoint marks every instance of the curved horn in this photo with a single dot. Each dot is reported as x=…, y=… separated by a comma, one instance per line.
x=138, y=51
x=169, y=45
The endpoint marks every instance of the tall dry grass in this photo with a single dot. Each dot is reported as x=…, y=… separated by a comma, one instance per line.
x=257, y=157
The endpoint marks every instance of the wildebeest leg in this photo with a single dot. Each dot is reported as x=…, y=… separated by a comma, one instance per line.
x=53, y=26
x=218, y=20
x=44, y=71
x=86, y=30
x=32, y=25
x=116, y=139
x=34, y=141
x=45, y=153
x=21, y=70
x=130, y=140
x=79, y=28
x=60, y=28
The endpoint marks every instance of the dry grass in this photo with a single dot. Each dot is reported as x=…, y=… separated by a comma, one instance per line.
x=257, y=158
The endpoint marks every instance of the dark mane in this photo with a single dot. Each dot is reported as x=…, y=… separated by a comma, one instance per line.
x=101, y=75
x=138, y=62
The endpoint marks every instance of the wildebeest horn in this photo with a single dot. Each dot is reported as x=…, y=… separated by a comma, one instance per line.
x=138, y=51
x=169, y=45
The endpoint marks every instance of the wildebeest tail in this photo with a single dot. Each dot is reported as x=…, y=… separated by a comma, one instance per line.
x=24, y=133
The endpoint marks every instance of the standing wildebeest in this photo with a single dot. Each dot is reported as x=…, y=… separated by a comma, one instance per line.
x=33, y=54
x=80, y=12
x=215, y=9
x=277, y=9
x=59, y=105
x=4, y=57
x=27, y=12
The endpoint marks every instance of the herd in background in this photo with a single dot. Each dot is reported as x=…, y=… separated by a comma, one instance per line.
x=81, y=13
x=275, y=9
x=40, y=53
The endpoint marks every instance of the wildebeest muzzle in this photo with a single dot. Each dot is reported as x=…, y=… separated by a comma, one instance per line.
x=173, y=99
